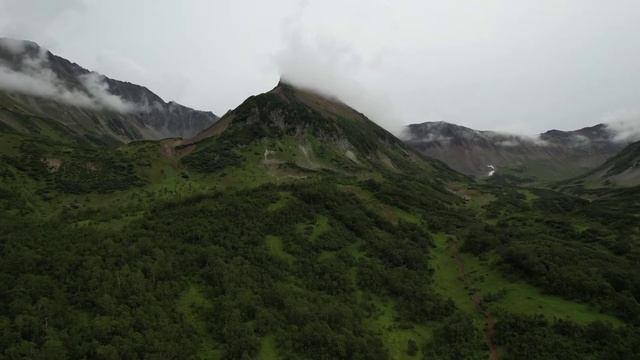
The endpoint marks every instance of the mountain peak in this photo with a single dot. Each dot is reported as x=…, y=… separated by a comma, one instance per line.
x=311, y=129
x=292, y=90
x=283, y=82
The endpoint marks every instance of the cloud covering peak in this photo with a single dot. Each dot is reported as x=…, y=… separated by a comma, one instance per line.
x=625, y=125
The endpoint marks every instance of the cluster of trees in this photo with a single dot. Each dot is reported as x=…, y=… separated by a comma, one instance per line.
x=87, y=292
x=83, y=293
x=101, y=172
x=556, y=243
x=68, y=291
x=74, y=170
x=425, y=197
x=457, y=337
x=534, y=337
x=398, y=268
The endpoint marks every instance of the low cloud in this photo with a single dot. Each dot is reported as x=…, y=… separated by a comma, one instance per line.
x=430, y=138
x=33, y=76
x=99, y=91
x=330, y=66
x=513, y=140
x=509, y=143
x=444, y=133
x=625, y=125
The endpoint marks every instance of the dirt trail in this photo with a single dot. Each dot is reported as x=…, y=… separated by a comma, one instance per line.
x=476, y=298
x=168, y=150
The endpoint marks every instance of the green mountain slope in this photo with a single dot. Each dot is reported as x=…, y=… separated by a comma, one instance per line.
x=621, y=170
x=295, y=228
x=299, y=129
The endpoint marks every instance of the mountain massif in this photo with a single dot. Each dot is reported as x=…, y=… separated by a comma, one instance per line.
x=301, y=131
x=295, y=228
x=41, y=93
x=551, y=156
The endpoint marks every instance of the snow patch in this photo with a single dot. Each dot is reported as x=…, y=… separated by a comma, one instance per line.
x=352, y=156
x=492, y=171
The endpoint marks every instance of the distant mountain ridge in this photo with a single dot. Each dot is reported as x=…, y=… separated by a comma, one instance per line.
x=36, y=86
x=553, y=155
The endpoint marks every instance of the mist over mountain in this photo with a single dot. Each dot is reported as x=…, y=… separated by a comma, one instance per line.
x=552, y=155
x=299, y=225
x=294, y=227
x=36, y=84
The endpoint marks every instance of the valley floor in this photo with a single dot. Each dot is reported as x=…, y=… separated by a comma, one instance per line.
x=112, y=254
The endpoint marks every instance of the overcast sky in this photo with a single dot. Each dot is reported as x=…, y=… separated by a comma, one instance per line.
x=520, y=66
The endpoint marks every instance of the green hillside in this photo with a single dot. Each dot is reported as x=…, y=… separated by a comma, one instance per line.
x=296, y=228
x=620, y=171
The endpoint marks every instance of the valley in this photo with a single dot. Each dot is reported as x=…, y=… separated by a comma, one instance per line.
x=296, y=228
x=516, y=159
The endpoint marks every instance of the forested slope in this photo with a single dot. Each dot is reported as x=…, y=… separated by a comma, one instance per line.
x=298, y=229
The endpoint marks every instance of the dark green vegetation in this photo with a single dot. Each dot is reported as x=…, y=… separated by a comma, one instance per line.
x=297, y=229
x=534, y=337
x=566, y=246
x=72, y=169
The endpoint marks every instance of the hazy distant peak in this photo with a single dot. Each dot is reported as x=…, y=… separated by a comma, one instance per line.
x=440, y=129
x=18, y=47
